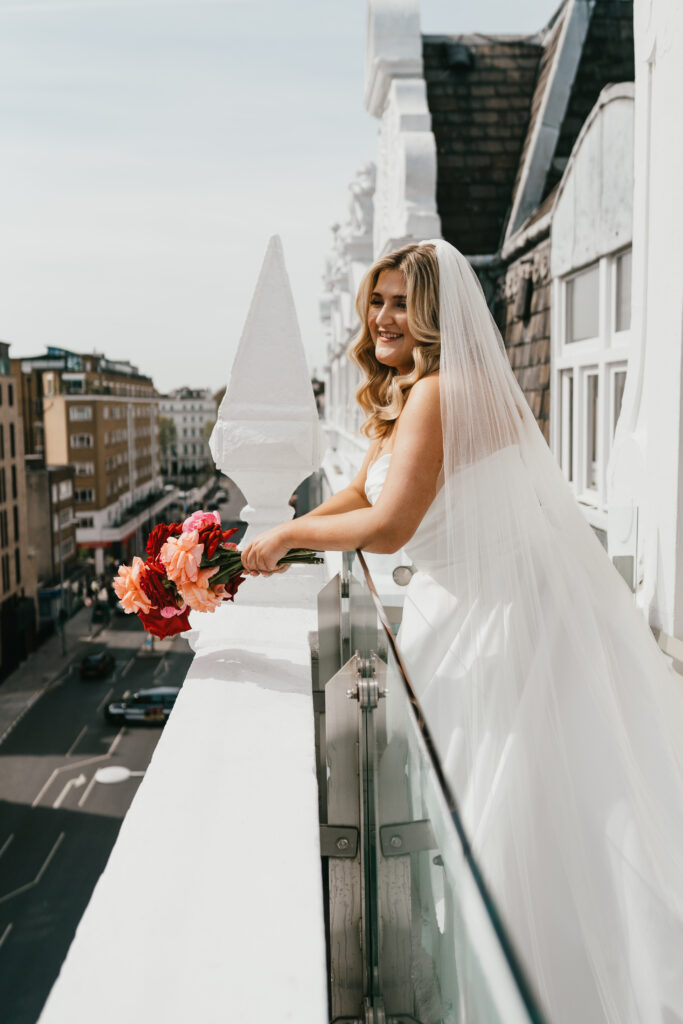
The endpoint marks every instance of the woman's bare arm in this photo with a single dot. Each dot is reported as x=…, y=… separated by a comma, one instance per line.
x=349, y=498
x=409, y=489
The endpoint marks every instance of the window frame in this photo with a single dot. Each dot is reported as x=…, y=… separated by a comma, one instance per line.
x=605, y=356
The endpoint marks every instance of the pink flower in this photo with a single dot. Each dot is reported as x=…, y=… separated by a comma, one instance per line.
x=168, y=612
x=199, y=595
x=181, y=556
x=199, y=519
x=128, y=590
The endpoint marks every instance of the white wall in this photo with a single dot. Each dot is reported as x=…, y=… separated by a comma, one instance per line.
x=645, y=469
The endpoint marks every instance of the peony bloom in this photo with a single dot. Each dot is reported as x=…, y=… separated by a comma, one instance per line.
x=181, y=556
x=200, y=596
x=128, y=589
x=199, y=519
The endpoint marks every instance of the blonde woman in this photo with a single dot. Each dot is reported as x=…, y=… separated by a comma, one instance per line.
x=557, y=722
x=398, y=350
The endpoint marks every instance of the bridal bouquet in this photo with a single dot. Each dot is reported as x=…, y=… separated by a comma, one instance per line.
x=189, y=566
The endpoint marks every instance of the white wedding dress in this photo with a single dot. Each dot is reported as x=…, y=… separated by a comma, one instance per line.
x=565, y=783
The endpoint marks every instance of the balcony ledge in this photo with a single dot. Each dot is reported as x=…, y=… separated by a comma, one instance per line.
x=210, y=907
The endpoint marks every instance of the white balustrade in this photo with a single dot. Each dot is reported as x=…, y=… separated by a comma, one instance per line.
x=267, y=437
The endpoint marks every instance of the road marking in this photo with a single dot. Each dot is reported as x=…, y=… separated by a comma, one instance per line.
x=77, y=782
x=86, y=791
x=6, y=844
x=36, y=880
x=79, y=764
x=6, y=932
x=75, y=742
x=161, y=668
x=127, y=666
x=104, y=699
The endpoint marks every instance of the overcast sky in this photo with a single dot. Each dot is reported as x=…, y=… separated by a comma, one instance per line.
x=149, y=148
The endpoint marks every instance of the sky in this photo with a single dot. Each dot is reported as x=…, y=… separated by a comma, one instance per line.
x=150, y=148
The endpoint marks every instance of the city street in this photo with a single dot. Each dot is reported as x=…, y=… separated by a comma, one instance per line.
x=57, y=823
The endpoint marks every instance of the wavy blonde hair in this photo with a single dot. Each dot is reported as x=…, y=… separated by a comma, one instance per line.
x=383, y=392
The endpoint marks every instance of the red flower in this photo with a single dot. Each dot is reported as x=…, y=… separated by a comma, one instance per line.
x=231, y=587
x=156, y=586
x=155, y=623
x=212, y=536
x=159, y=536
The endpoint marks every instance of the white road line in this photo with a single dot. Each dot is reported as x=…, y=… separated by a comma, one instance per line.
x=79, y=764
x=86, y=791
x=75, y=742
x=6, y=844
x=161, y=667
x=126, y=668
x=6, y=932
x=36, y=880
x=105, y=699
x=72, y=783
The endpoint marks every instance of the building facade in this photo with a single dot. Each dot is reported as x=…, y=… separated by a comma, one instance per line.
x=533, y=156
x=102, y=417
x=187, y=418
x=17, y=565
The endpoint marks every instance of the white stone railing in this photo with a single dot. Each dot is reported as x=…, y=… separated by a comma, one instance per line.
x=210, y=907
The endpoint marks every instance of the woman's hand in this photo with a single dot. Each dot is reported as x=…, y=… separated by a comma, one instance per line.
x=261, y=556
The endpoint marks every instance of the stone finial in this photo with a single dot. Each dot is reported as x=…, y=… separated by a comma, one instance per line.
x=267, y=436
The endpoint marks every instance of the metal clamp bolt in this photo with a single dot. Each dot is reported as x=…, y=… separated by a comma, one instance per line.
x=342, y=843
x=396, y=842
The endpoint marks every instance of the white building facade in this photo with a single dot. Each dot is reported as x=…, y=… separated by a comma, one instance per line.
x=186, y=457
x=616, y=278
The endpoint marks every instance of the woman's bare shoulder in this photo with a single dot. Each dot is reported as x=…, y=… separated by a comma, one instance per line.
x=424, y=394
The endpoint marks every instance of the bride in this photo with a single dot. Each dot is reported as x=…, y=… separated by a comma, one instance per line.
x=557, y=721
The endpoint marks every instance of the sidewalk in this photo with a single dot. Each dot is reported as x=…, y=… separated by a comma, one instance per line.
x=31, y=679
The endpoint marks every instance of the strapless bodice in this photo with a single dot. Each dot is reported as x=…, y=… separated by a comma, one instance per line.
x=427, y=547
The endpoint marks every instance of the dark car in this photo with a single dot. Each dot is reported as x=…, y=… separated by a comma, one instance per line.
x=150, y=707
x=101, y=612
x=97, y=665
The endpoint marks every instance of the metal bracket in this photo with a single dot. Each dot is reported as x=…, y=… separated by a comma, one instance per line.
x=338, y=841
x=406, y=837
x=366, y=690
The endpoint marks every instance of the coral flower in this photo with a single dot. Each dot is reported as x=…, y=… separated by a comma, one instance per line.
x=199, y=595
x=181, y=556
x=128, y=590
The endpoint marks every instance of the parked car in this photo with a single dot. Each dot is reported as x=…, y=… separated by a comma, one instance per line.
x=220, y=495
x=97, y=665
x=213, y=506
x=101, y=612
x=151, y=706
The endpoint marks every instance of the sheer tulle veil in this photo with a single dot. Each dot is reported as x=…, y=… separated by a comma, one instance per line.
x=559, y=723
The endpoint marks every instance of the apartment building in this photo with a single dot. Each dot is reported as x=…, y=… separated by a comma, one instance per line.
x=187, y=416
x=102, y=417
x=17, y=572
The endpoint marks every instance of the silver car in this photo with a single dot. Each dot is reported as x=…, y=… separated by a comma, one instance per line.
x=149, y=707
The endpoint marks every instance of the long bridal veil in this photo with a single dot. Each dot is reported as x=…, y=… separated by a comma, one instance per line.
x=558, y=721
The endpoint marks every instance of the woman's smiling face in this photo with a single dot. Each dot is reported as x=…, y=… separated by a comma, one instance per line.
x=388, y=322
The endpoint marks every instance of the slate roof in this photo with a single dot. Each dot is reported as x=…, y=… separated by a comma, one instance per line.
x=479, y=91
x=485, y=93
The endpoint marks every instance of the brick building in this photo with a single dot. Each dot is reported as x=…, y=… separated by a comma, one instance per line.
x=101, y=416
x=17, y=569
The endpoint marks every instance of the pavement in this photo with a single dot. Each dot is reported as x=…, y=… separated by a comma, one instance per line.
x=29, y=681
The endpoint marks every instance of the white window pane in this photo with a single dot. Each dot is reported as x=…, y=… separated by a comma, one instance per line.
x=583, y=304
x=618, y=385
x=567, y=423
x=592, y=431
x=623, y=313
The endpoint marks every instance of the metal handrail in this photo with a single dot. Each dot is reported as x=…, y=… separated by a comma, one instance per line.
x=518, y=971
